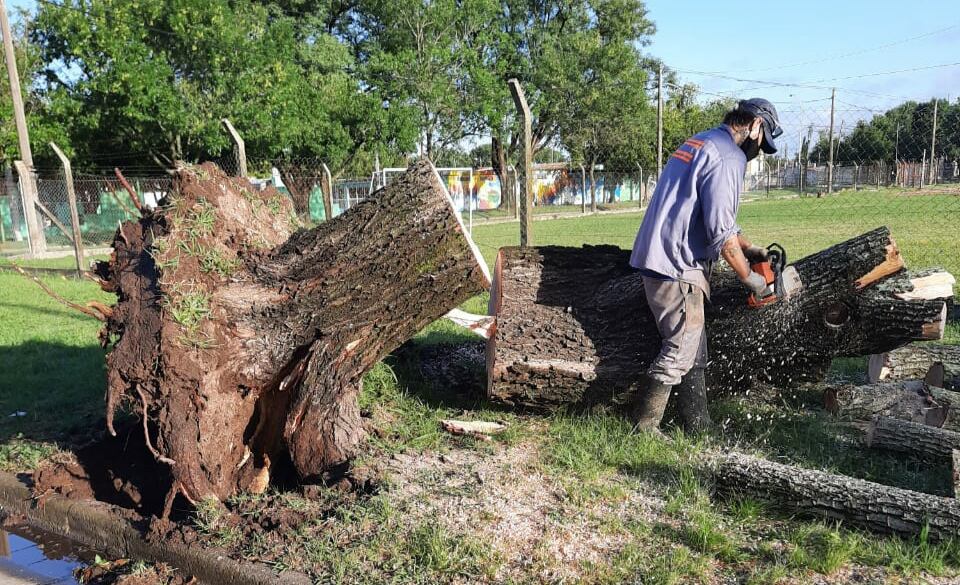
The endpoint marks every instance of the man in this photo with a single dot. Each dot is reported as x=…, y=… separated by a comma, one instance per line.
x=690, y=223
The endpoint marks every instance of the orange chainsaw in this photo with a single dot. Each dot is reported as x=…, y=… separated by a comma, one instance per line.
x=782, y=280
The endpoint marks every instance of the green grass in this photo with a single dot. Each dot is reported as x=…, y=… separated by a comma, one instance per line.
x=51, y=366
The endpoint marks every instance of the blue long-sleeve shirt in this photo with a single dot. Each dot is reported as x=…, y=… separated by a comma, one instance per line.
x=693, y=211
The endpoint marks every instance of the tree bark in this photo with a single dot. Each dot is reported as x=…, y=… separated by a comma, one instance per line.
x=593, y=190
x=837, y=497
x=912, y=438
x=244, y=346
x=498, y=160
x=910, y=400
x=938, y=365
x=572, y=324
x=955, y=457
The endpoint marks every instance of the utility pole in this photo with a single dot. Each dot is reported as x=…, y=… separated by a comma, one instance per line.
x=896, y=147
x=38, y=243
x=19, y=117
x=660, y=121
x=933, y=146
x=833, y=98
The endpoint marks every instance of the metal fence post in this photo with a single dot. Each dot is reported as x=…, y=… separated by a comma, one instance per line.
x=833, y=99
x=526, y=202
x=923, y=167
x=240, y=150
x=72, y=200
x=641, y=185
x=659, y=121
x=933, y=145
x=583, y=193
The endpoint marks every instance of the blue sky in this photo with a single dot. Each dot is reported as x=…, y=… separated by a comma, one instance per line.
x=815, y=43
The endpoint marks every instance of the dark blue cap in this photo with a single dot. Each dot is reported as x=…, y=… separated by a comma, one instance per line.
x=764, y=110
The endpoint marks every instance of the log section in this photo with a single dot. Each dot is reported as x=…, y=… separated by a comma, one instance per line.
x=572, y=324
x=837, y=497
x=938, y=365
x=912, y=438
x=910, y=400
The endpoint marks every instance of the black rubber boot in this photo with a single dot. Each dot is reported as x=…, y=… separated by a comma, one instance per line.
x=649, y=403
x=691, y=396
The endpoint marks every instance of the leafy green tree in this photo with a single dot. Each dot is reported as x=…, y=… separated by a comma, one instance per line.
x=416, y=54
x=151, y=80
x=903, y=132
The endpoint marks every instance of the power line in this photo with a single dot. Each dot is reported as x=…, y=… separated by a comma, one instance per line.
x=894, y=72
x=770, y=83
x=852, y=53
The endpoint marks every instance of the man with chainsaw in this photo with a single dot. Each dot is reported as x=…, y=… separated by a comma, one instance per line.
x=689, y=224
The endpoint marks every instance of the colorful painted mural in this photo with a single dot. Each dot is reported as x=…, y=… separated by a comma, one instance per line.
x=482, y=187
x=566, y=187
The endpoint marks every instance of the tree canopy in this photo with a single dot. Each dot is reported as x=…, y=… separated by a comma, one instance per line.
x=145, y=83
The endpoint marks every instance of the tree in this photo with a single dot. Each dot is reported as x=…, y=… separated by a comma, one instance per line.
x=414, y=53
x=548, y=46
x=602, y=108
x=151, y=80
x=903, y=132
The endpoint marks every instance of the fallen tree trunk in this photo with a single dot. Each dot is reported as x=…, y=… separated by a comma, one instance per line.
x=910, y=400
x=955, y=456
x=912, y=438
x=837, y=497
x=244, y=346
x=937, y=365
x=572, y=324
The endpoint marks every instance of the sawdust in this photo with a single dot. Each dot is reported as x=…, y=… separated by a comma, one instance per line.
x=508, y=502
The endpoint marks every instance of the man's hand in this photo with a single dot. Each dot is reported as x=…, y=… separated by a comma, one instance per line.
x=756, y=283
x=755, y=254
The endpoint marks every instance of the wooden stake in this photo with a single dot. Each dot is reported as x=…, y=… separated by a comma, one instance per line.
x=72, y=199
x=239, y=147
x=526, y=202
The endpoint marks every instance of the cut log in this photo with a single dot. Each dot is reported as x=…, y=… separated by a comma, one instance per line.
x=820, y=494
x=955, y=456
x=245, y=345
x=910, y=400
x=938, y=365
x=920, y=440
x=573, y=324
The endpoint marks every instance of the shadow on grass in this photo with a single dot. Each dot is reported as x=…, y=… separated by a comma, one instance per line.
x=443, y=371
x=51, y=391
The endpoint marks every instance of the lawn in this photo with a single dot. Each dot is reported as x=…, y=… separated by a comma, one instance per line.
x=566, y=497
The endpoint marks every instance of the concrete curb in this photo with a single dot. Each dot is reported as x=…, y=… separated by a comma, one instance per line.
x=93, y=525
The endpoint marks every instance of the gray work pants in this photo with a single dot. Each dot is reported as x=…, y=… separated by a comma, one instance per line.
x=677, y=309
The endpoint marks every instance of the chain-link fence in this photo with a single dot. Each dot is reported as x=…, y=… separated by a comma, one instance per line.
x=102, y=202
x=841, y=169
